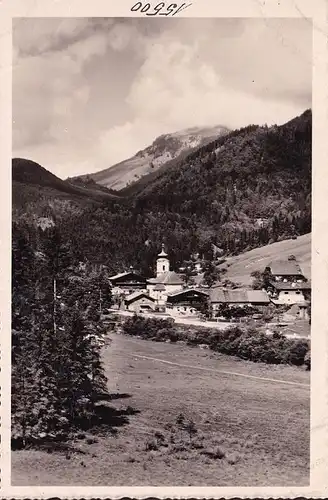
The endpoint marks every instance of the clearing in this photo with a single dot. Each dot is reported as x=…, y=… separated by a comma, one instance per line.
x=252, y=422
x=241, y=266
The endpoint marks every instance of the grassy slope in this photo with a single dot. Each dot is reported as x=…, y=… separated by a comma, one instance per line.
x=241, y=266
x=264, y=424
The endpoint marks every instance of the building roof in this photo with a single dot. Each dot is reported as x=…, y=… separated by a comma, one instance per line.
x=188, y=291
x=168, y=278
x=125, y=275
x=285, y=268
x=119, y=275
x=136, y=295
x=279, y=285
x=226, y=295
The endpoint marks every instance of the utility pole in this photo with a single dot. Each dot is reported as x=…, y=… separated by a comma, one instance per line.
x=54, y=311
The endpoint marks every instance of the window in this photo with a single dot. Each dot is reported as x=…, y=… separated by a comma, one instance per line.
x=298, y=293
x=163, y=267
x=286, y=293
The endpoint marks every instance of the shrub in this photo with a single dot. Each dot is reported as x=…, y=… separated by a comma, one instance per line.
x=297, y=352
x=249, y=344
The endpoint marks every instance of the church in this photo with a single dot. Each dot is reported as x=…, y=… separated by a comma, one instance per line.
x=140, y=293
x=165, y=282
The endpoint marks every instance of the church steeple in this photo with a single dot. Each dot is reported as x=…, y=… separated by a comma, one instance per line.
x=163, y=253
x=163, y=263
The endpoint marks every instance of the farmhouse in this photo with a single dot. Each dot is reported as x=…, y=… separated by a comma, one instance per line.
x=139, y=302
x=188, y=301
x=128, y=282
x=238, y=298
x=286, y=271
x=289, y=293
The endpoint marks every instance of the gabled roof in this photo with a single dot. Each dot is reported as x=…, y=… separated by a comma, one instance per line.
x=285, y=268
x=188, y=291
x=290, y=286
x=125, y=275
x=228, y=296
x=168, y=278
x=137, y=295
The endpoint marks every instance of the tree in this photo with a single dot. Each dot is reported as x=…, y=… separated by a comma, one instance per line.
x=211, y=274
x=261, y=279
x=206, y=309
x=56, y=365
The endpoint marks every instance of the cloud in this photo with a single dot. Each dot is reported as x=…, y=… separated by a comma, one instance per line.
x=35, y=36
x=88, y=93
x=239, y=80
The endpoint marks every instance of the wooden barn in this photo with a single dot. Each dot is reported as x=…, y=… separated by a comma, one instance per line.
x=186, y=301
x=127, y=283
x=238, y=298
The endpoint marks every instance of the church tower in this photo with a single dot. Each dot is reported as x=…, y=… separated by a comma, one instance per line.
x=163, y=263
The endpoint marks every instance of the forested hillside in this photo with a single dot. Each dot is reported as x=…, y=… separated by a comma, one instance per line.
x=33, y=187
x=244, y=190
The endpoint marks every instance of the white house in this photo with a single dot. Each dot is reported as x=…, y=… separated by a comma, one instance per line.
x=289, y=293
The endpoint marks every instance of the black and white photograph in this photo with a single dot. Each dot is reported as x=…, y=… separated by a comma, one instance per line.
x=161, y=251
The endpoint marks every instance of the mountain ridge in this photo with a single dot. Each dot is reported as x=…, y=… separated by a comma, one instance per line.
x=165, y=148
x=30, y=176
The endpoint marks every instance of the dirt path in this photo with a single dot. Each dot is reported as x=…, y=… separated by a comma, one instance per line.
x=234, y=374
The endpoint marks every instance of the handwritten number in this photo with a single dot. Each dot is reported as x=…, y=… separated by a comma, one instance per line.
x=145, y=8
x=172, y=9
x=136, y=7
x=158, y=8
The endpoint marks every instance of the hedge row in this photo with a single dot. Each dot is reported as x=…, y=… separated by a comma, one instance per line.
x=246, y=343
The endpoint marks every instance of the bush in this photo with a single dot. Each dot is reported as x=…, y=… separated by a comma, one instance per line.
x=249, y=344
x=297, y=352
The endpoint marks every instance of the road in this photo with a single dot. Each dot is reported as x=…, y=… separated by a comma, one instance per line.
x=220, y=325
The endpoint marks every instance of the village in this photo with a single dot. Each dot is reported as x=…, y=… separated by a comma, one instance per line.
x=284, y=295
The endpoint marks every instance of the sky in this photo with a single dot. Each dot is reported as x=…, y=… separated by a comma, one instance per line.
x=90, y=92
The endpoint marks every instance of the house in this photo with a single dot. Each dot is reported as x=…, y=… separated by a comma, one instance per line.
x=187, y=301
x=289, y=292
x=237, y=298
x=166, y=281
x=128, y=282
x=286, y=271
x=139, y=302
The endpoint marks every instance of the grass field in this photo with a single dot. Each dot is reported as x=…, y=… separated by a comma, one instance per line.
x=241, y=266
x=252, y=423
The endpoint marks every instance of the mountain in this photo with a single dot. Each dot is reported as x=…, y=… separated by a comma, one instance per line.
x=243, y=190
x=164, y=149
x=31, y=182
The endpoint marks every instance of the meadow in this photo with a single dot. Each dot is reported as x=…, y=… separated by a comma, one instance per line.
x=184, y=416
